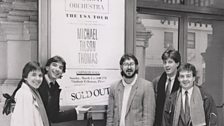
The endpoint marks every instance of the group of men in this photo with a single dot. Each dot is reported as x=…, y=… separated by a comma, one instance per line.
x=172, y=99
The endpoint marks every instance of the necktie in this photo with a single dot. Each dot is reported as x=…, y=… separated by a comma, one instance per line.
x=51, y=84
x=50, y=92
x=187, y=108
x=168, y=87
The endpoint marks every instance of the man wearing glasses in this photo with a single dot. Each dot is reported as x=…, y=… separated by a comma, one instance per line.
x=131, y=99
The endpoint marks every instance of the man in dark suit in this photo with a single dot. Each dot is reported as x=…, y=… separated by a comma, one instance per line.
x=167, y=83
x=50, y=92
x=131, y=99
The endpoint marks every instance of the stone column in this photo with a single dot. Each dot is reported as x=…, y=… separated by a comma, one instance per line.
x=142, y=42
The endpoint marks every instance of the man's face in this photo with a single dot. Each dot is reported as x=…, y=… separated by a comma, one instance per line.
x=186, y=79
x=55, y=70
x=170, y=66
x=34, y=78
x=129, y=68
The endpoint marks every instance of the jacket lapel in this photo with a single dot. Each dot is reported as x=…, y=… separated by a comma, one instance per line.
x=119, y=94
x=131, y=97
x=182, y=112
x=176, y=84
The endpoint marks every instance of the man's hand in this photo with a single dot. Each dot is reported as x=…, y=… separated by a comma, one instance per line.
x=82, y=109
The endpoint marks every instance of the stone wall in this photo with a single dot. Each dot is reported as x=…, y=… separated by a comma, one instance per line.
x=18, y=43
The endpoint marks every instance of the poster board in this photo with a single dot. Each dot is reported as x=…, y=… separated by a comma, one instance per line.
x=89, y=35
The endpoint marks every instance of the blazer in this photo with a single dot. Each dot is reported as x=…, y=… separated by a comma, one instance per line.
x=140, y=106
x=208, y=104
x=159, y=88
x=51, y=99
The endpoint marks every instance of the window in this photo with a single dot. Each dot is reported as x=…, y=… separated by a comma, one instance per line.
x=200, y=44
x=168, y=39
x=191, y=40
x=163, y=31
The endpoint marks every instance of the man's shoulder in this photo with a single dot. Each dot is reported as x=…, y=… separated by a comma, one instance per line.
x=115, y=84
x=145, y=82
x=156, y=79
x=205, y=95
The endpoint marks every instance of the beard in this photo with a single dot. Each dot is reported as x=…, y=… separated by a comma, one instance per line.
x=128, y=76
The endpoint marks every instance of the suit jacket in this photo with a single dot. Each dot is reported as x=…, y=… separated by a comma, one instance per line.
x=159, y=88
x=208, y=104
x=51, y=99
x=140, y=106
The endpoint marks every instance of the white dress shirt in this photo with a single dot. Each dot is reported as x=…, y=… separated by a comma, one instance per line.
x=172, y=82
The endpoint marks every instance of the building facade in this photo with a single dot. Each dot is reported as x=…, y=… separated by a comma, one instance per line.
x=194, y=27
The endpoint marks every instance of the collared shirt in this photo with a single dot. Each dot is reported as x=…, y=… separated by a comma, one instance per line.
x=172, y=82
x=127, y=90
x=48, y=80
x=183, y=96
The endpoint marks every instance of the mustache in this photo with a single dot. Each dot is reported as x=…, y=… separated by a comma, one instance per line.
x=129, y=70
x=123, y=74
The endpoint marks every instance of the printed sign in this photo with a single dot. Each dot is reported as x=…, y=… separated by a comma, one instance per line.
x=89, y=35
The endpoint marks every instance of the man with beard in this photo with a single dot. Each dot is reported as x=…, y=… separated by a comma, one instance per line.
x=131, y=99
x=50, y=92
x=167, y=83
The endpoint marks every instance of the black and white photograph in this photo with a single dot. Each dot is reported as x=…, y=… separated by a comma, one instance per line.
x=112, y=62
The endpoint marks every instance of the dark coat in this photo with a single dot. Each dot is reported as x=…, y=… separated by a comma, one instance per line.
x=208, y=103
x=159, y=88
x=51, y=99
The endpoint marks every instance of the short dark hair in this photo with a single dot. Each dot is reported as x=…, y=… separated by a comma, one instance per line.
x=56, y=59
x=127, y=57
x=188, y=67
x=30, y=66
x=173, y=54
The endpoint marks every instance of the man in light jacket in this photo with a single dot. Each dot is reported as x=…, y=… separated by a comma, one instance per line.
x=131, y=99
